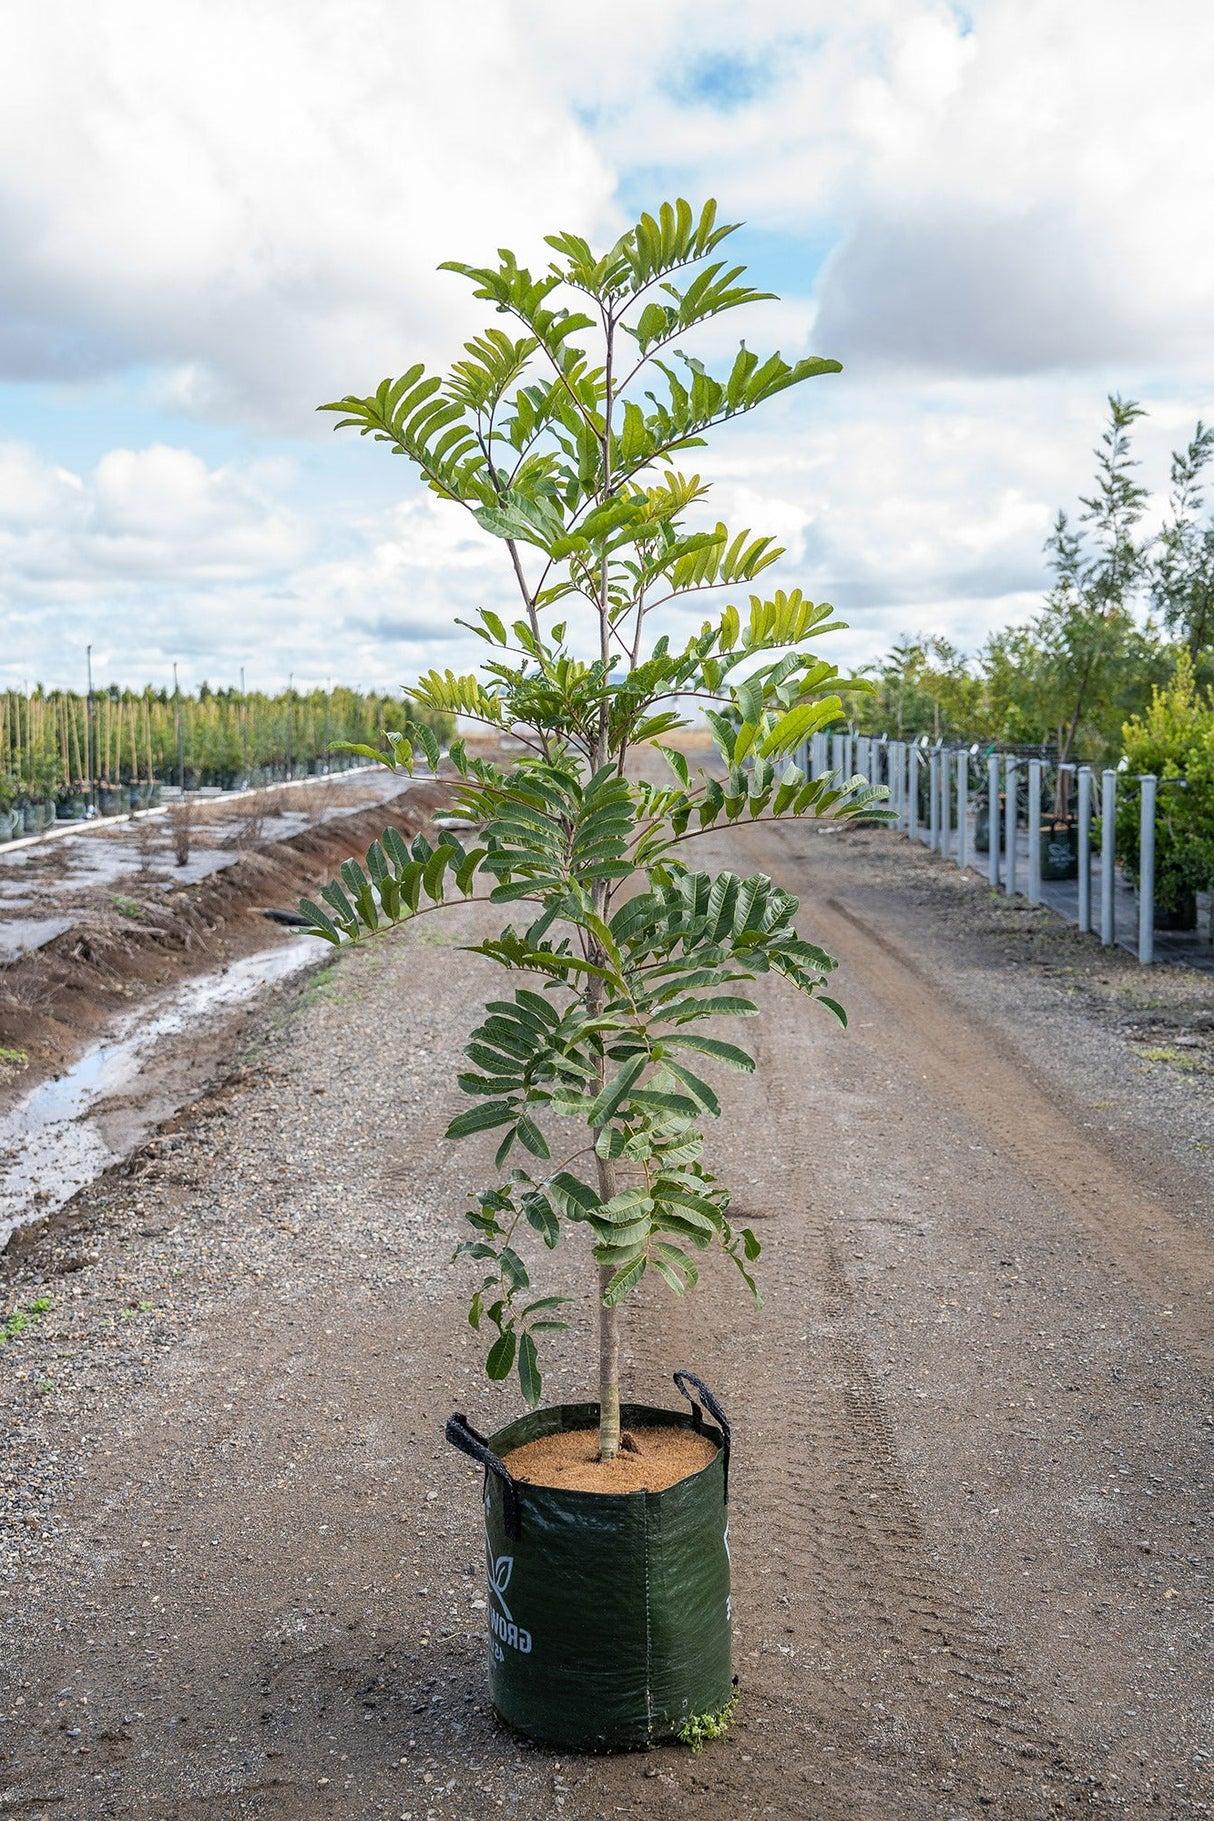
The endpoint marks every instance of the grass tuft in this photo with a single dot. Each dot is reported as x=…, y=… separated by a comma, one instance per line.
x=699, y=1730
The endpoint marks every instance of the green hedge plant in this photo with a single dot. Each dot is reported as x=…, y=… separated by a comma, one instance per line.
x=1174, y=740
x=569, y=429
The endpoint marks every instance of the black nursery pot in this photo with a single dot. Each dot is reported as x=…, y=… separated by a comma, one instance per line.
x=609, y=1614
x=1180, y=914
x=1060, y=850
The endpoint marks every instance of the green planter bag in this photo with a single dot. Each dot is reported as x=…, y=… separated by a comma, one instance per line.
x=609, y=1614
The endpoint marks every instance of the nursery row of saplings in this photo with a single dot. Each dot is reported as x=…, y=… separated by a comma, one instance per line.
x=65, y=755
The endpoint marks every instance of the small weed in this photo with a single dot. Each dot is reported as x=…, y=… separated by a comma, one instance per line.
x=21, y=1319
x=181, y=823
x=127, y=907
x=16, y=1060
x=322, y=987
x=319, y=984
x=1178, y=1059
x=699, y=1730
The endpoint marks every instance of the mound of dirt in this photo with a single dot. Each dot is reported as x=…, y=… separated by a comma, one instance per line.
x=122, y=946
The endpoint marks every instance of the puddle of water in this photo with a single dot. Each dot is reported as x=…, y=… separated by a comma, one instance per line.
x=50, y=1147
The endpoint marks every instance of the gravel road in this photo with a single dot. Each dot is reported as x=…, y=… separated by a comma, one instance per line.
x=969, y=1514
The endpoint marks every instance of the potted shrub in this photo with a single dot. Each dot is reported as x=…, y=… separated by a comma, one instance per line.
x=560, y=429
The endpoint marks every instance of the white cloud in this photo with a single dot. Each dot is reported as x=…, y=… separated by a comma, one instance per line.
x=230, y=213
x=141, y=520
x=255, y=199
x=1038, y=209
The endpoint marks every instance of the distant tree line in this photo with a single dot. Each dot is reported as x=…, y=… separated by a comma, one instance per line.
x=58, y=745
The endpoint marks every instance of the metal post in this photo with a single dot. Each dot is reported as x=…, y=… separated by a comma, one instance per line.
x=1085, y=848
x=946, y=804
x=963, y=807
x=1108, y=845
x=1034, y=891
x=933, y=799
x=992, y=820
x=914, y=759
x=1010, y=791
x=244, y=730
x=1146, y=871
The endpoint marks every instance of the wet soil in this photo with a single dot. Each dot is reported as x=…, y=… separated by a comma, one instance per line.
x=969, y=1498
x=650, y=1460
x=147, y=925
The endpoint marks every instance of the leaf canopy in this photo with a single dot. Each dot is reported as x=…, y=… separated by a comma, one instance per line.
x=560, y=430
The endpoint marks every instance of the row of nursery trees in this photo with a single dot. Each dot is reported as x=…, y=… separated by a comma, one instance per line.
x=56, y=745
x=1117, y=665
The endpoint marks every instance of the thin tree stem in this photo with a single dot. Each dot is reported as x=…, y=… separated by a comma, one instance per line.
x=609, y=1350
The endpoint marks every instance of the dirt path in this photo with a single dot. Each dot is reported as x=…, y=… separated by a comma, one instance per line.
x=970, y=1512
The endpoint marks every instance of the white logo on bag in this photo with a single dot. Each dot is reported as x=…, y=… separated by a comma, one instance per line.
x=728, y=1596
x=502, y=1624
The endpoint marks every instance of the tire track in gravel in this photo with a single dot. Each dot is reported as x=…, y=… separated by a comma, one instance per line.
x=932, y=1699
x=1166, y=1258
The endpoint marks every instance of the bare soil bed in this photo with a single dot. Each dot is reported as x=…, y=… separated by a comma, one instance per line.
x=970, y=1491
x=149, y=923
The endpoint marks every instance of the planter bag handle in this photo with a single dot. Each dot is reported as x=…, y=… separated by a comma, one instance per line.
x=701, y=1395
x=471, y=1442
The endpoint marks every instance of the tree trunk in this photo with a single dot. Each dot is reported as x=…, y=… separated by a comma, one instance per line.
x=609, y=1318
x=609, y=1373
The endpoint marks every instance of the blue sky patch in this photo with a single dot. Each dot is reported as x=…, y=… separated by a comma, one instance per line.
x=726, y=82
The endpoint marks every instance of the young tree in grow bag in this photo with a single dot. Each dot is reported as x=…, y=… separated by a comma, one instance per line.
x=561, y=431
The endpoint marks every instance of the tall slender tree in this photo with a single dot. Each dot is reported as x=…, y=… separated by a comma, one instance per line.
x=1182, y=572
x=562, y=440
x=1086, y=626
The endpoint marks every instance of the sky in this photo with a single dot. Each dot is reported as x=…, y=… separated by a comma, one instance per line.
x=218, y=214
